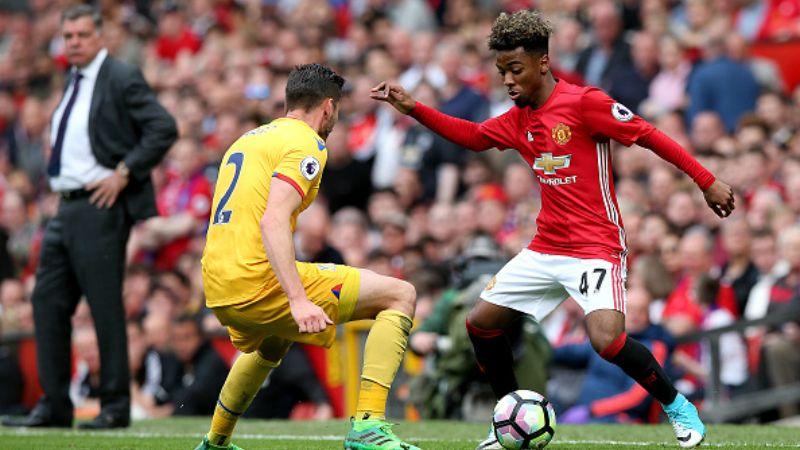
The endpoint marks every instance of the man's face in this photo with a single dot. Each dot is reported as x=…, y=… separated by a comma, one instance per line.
x=637, y=314
x=185, y=341
x=82, y=40
x=522, y=73
x=763, y=251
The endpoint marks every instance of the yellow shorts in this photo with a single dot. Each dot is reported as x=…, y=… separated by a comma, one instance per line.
x=332, y=287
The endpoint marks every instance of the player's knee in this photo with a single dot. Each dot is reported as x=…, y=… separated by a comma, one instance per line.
x=404, y=298
x=273, y=349
x=603, y=339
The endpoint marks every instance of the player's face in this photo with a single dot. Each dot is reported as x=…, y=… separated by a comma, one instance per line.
x=523, y=74
x=82, y=41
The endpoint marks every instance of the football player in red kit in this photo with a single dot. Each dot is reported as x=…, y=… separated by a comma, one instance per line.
x=563, y=132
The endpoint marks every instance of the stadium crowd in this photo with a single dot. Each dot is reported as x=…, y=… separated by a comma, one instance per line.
x=399, y=200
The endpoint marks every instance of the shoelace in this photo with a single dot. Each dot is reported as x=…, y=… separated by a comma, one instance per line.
x=676, y=420
x=387, y=428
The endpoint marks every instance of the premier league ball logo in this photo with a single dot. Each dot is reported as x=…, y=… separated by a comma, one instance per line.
x=309, y=167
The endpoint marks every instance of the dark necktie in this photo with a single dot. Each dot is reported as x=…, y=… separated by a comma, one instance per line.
x=54, y=166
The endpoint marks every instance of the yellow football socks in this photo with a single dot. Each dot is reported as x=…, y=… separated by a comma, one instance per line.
x=243, y=382
x=383, y=352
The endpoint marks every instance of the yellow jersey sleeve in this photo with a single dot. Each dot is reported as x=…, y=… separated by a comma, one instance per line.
x=302, y=167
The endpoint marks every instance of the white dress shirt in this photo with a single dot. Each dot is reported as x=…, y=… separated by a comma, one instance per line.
x=78, y=164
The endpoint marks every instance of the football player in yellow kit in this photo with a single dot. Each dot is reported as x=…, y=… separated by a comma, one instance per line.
x=267, y=299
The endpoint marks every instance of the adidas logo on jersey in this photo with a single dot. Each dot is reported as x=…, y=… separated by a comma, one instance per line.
x=530, y=136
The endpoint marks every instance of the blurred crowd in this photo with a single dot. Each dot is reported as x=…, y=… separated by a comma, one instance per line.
x=399, y=200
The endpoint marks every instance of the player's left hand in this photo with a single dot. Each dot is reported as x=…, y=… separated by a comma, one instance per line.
x=106, y=191
x=719, y=197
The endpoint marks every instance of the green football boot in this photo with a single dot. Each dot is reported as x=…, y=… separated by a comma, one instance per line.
x=374, y=434
x=205, y=445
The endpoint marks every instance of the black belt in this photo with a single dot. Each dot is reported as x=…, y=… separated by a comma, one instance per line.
x=74, y=194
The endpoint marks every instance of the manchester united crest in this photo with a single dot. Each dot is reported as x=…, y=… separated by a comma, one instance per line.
x=561, y=133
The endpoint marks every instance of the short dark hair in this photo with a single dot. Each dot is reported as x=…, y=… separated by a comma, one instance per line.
x=309, y=84
x=526, y=29
x=193, y=320
x=78, y=11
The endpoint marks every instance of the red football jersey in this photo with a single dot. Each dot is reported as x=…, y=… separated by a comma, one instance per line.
x=566, y=142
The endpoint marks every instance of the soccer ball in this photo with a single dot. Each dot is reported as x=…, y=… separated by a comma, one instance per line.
x=524, y=420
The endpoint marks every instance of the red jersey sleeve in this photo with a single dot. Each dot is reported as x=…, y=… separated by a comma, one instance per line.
x=605, y=117
x=494, y=132
x=499, y=130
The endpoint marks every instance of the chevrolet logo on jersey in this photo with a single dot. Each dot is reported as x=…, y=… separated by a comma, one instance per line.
x=550, y=164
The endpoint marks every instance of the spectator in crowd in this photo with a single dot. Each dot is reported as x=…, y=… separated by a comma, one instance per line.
x=342, y=166
x=313, y=229
x=16, y=311
x=782, y=342
x=706, y=129
x=437, y=160
x=721, y=84
x=349, y=235
x=732, y=351
x=764, y=70
x=458, y=99
x=493, y=212
x=135, y=289
x=20, y=229
x=630, y=84
x=203, y=369
x=83, y=249
x=184, y=204
x=174, y=34
x=667, y=90
x=609, y=50
x=178, y=284
x=739, y=271
x=85, y=385
x=765, y=257
x=682, y=312
x=27, y=139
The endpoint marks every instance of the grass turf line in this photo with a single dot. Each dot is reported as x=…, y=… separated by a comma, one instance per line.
x=185, y=433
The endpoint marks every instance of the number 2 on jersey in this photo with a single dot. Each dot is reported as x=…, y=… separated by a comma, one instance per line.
x=222, y=215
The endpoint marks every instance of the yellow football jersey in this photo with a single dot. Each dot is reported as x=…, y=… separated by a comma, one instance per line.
x=235, y=265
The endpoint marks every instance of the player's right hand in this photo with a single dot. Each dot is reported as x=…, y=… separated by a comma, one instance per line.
x=719, y=197
x=310, y=318
x=395, y=95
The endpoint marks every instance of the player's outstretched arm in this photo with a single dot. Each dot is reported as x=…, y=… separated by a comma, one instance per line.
x=462, y=132
x=395, y=95
x=719, y=197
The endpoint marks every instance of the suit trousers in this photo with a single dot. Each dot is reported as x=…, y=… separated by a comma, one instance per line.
x=83, y=254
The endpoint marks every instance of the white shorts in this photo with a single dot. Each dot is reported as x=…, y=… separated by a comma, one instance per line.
x=536, y=283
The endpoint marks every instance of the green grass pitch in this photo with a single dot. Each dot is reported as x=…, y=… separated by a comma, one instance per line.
x=184, y=434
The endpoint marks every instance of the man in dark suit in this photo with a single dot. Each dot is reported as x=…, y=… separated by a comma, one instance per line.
x=608, y=50
x=107, y=133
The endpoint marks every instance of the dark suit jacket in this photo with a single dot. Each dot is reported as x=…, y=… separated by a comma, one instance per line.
x=126, y=122
x=620, y=57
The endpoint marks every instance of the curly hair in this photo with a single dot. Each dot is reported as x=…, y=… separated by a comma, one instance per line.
x=526, y=29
